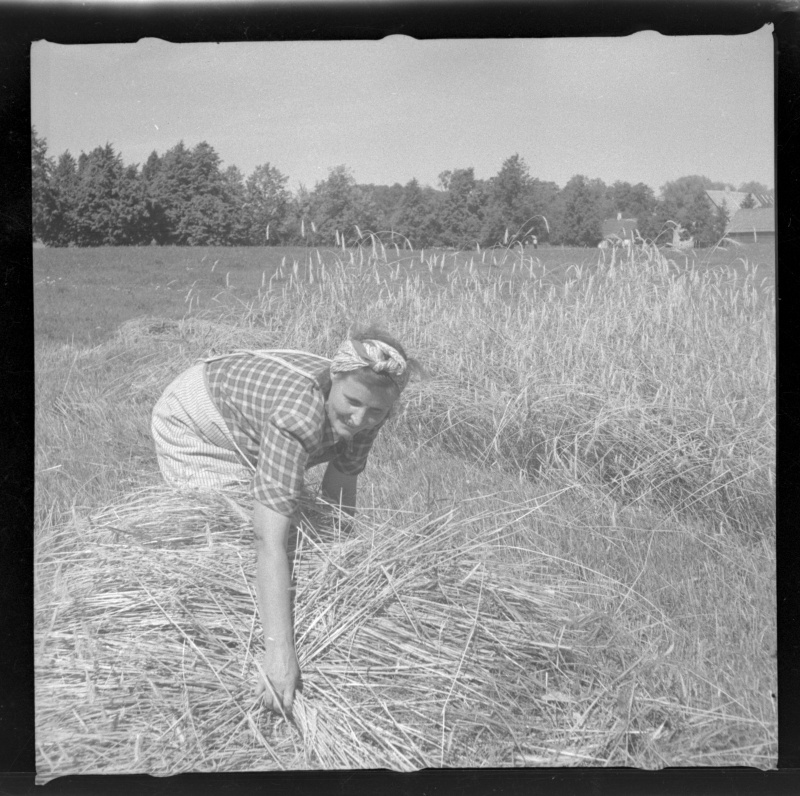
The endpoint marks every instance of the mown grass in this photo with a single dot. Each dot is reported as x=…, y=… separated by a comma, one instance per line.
x=603, y=435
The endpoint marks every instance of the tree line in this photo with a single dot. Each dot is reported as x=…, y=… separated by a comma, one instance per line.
x=186, y=198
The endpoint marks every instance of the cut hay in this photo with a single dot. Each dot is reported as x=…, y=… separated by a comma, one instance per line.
x=418, y=646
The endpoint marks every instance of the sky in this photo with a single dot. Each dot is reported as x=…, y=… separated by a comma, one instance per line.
x=642, y=108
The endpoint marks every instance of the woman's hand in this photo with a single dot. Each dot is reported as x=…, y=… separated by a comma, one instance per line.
x=279, y=665
x=339, y=489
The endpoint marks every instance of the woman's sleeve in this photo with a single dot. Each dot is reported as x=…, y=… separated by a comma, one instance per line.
x=287, y=437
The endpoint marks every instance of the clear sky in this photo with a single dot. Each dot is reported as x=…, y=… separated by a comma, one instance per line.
x=643, y=108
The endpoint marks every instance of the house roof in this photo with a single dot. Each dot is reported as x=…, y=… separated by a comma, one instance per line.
x=756, y=219
x=621, y=227
x=765, y=199
x=733, y=200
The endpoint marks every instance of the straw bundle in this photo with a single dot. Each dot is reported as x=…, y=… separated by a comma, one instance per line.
x=419, y=644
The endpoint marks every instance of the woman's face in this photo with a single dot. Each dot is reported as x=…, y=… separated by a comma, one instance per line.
x=353, y=406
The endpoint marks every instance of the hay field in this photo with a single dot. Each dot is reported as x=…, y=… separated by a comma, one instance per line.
x=83, y=295
x=564, y=554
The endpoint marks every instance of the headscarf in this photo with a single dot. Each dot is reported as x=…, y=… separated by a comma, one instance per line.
x=376, y=355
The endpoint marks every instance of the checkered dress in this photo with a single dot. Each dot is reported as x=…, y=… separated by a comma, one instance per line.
x=276, y=416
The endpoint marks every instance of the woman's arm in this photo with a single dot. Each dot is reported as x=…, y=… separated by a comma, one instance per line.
x=274, y=605
x=340, y=489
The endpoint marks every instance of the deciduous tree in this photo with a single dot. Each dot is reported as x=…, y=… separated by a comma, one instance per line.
x=507, y=204
x=753, y=187
x=685, y=202
x=633, y=201
x=191, y=193
x=267, y=203
x=109, y=202
x=62, y=228
x=43, y=196
x=236, y=225
x=338, y=206
x=582, y=208
x=157, y=221
x=461, y=211
x=543, y=198
x=131, y=208
x=416, y=218
x=169, y=188
x=385, y=202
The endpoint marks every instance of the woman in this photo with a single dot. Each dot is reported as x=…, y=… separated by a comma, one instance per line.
x=266, y=417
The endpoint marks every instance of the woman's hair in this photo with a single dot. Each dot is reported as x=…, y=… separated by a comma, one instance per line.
x=373, y=332
x=376, y=333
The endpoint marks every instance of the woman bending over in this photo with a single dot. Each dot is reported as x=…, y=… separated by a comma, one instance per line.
x=265, y=417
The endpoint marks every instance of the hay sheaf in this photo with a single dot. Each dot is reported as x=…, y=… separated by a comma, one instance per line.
x=419, y=645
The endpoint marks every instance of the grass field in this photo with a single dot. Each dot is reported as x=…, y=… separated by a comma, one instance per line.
x=83, y=295
x=565, y=548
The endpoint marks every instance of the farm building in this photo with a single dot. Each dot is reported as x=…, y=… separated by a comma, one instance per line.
x=754, y=225
x=619, y=228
